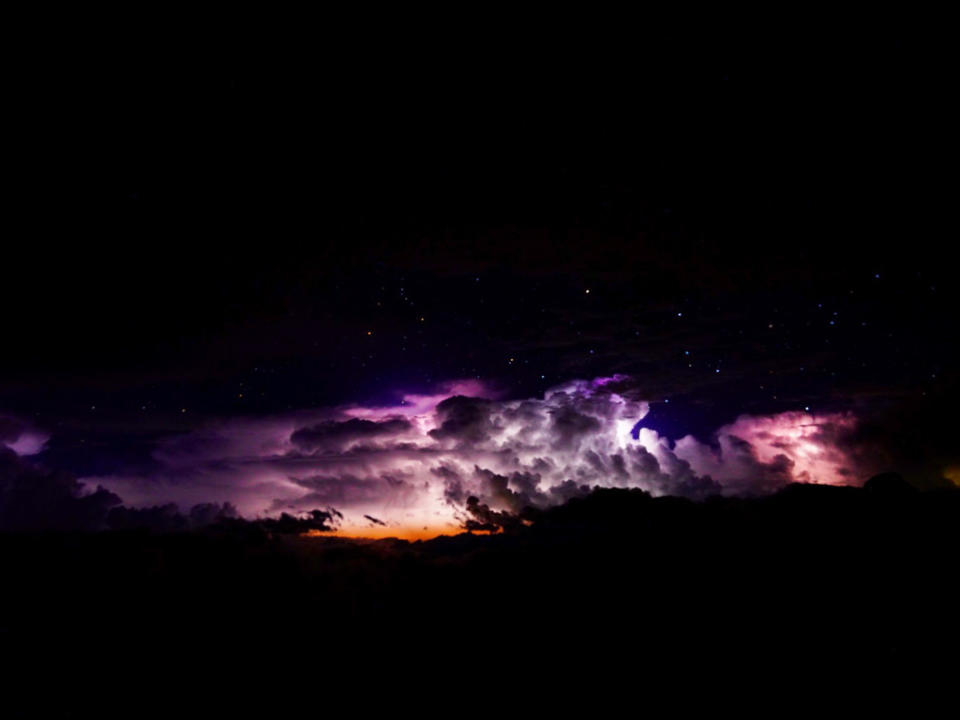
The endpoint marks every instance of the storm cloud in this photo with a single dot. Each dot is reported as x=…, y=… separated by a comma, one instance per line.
x=35, y=498
x=461, y=456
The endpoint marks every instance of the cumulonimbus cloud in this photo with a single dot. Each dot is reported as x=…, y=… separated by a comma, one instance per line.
x=417, y=464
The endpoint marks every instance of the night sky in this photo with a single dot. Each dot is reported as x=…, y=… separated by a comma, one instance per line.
x=209, y=257
x=477, y=360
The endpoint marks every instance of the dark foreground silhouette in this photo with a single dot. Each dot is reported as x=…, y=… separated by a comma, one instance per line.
x=615, y=595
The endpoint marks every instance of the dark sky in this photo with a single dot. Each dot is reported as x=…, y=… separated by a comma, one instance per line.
x=742, y=223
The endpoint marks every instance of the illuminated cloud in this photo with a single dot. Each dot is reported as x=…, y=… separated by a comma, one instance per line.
x=20, y=437
x=416, y=464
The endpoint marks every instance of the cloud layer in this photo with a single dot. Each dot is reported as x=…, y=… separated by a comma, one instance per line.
x=431, y=463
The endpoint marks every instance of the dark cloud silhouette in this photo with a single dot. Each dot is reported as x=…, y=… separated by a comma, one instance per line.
x=168, y=518
x=464, y=419
x=160, y=518
x=333, y=433
x=33, y=498
x=481, y=518
x=204, y=514
x=286, y=524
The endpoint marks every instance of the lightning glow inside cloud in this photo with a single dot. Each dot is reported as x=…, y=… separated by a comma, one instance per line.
x=409, y=469
x=20, y=437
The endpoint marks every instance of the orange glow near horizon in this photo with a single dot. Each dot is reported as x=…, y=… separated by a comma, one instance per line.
x=381, y=533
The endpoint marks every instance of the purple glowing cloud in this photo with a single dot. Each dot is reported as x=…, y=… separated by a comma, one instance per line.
x=413, y=465
x=20, y=437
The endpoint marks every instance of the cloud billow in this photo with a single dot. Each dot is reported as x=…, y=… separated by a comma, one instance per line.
x=433, y=461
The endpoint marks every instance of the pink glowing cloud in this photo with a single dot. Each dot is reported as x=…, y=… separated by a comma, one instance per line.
x=20, y=437
x=414, y=464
